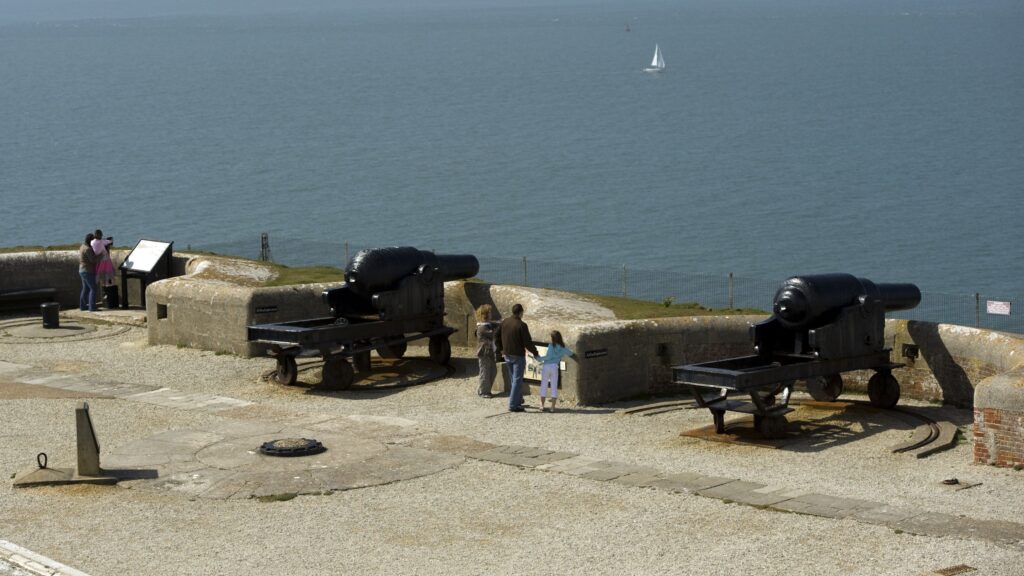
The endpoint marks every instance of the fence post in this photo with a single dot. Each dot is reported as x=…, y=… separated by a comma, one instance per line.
x=977, y=310
x=624, y=291
x=525, y=281
x=730, y=291
x=265, y=247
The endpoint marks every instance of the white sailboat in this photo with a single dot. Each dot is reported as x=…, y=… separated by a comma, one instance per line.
x=657, y=63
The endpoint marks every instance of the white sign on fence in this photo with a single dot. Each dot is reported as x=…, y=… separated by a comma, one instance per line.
x=997, y=307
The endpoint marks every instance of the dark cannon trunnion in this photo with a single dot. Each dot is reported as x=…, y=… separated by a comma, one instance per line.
x=391, y=296
x=822, y=326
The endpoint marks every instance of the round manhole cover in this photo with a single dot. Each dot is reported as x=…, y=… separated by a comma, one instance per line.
x=292, y=447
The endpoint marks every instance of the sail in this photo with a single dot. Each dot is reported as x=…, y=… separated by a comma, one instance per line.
x=658, y=62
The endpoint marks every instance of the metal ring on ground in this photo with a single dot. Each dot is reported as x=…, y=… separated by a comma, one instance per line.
x=292, y=447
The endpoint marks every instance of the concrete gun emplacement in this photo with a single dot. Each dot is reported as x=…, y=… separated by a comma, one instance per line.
x=391, y=296
x=822, y=325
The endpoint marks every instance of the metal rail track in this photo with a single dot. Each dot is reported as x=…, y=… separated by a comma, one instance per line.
x=926, y=433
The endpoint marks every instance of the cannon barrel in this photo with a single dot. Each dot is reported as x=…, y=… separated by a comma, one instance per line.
x=381, y=269
x=814, y=300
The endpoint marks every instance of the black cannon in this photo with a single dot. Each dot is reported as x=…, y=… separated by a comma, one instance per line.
x=391, y=296
x=822, y=325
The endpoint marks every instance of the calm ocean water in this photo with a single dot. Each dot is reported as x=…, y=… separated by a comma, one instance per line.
x=884, y=139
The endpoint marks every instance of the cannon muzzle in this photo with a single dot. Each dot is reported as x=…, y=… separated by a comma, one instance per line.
x=381, y=269
x=815, y=300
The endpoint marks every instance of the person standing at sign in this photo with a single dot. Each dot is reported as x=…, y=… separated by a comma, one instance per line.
x=87, y=271
x=104, y=265
x=551, y=362
x=485, y=349
x=513, y=341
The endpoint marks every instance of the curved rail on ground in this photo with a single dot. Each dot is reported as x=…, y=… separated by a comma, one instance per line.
x=926, y=433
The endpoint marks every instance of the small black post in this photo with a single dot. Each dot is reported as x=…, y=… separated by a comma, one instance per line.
x=265, y=248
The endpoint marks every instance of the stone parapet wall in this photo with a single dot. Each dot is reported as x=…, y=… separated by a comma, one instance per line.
x=211, y=315
x=58, y=269
x=944, y=362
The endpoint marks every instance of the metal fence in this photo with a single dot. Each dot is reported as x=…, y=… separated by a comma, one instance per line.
x=994, y=312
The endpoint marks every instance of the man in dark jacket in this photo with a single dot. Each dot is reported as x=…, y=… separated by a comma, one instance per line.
x=512, y=338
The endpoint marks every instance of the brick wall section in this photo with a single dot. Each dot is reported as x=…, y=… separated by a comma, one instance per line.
x=998, y=437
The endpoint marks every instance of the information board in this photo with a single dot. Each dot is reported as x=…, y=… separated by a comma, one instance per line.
x=145, y=256
x=1000, y=307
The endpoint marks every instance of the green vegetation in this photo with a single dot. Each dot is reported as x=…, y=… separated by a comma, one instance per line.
x=305, y=275
x=629, y=309
x=39, y=248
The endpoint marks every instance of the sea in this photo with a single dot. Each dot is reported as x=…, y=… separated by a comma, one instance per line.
x=784, y=137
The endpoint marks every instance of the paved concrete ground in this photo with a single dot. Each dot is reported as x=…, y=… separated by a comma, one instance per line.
x=394, y=474
x=223, y=462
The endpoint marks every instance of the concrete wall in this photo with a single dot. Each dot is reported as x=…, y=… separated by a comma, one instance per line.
x=59, y=269
x=214, y=315
x=615, y=359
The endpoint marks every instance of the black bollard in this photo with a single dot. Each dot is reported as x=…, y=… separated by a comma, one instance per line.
x=51, y=314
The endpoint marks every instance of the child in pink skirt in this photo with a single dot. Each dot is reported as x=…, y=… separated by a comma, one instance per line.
x=104, y=265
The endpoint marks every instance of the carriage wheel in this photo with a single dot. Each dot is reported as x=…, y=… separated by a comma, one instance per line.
x=361, y=361
x=883, y=390
x=825, y=388
x=440, y=349
x=772, y=427
x=394, y=349
x=337, y=374
x=287, y=372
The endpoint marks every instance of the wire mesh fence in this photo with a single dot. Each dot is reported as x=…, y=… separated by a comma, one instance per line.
x=993, y=312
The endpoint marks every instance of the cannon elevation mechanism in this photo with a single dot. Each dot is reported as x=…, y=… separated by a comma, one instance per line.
x=822, y=325
x=391, y=296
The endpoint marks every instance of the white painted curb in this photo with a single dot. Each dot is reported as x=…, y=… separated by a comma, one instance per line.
x=34, y=563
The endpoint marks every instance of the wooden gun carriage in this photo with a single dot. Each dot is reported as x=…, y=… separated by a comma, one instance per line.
x=822, y=325
x=391, y=296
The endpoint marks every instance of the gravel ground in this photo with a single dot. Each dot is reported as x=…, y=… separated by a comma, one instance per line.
x=479, y=518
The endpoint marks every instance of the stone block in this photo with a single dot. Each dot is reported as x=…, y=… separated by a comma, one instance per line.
x=689, y=482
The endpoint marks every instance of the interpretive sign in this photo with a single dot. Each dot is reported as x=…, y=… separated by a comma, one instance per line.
x=533, y=368
x=145, y=256
x=148, y=262
x=998, y=307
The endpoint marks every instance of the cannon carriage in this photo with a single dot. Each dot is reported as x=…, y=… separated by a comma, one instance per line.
x=391, y=296
x=823, y=325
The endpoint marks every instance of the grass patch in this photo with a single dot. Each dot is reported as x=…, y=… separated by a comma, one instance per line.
x=40, y=248
x=630, y=309
x=277, y=497
x=287, y=276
